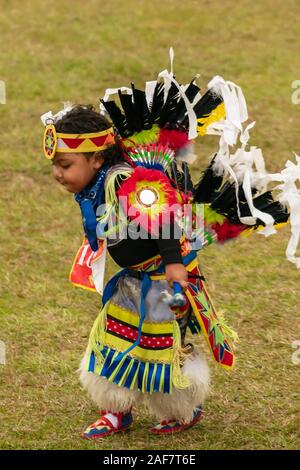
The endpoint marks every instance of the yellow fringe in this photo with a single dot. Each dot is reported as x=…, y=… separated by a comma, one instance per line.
x=111, y=200
x=110, y=192
x=179, y=379
x=97, y=334
x=228, y=331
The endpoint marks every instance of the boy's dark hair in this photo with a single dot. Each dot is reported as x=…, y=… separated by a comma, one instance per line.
x=83, y=119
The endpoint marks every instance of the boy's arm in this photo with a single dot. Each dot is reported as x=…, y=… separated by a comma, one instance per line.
x=169, y=249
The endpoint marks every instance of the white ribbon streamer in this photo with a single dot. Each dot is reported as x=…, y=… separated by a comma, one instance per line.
x=171, y=53
x=290, y=196
x=235, y=109
x=149, y=90
x=168, y=78
x=246, y=167
x=113, y=91
x=50, y=118
x=257, y=214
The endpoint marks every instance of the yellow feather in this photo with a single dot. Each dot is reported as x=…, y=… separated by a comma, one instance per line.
x=216, y=115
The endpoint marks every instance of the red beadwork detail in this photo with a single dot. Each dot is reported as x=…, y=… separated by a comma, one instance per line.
x=127, y=332
x=103, y=140
x=72, y=143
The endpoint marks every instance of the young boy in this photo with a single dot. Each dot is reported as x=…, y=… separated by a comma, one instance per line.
x=79, y=172
x=137, y=351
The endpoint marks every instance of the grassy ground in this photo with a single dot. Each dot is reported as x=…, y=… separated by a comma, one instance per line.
x=53, y=51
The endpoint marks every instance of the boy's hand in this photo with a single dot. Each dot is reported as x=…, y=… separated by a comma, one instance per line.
x=176, y=272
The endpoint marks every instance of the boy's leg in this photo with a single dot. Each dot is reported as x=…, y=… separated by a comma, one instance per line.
x=114, y=403
x=182, y=408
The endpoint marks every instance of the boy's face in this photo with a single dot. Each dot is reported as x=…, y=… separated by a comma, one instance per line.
x=74, y=171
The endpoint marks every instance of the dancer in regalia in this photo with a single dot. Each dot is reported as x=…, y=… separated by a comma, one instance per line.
x=129, y=169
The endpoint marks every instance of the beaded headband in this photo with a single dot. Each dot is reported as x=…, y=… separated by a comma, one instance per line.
x=57, y=142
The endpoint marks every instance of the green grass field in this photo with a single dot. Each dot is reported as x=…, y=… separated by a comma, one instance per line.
x=72, y=50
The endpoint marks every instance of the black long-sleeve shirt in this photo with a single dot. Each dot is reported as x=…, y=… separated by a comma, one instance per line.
x=129, y=252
